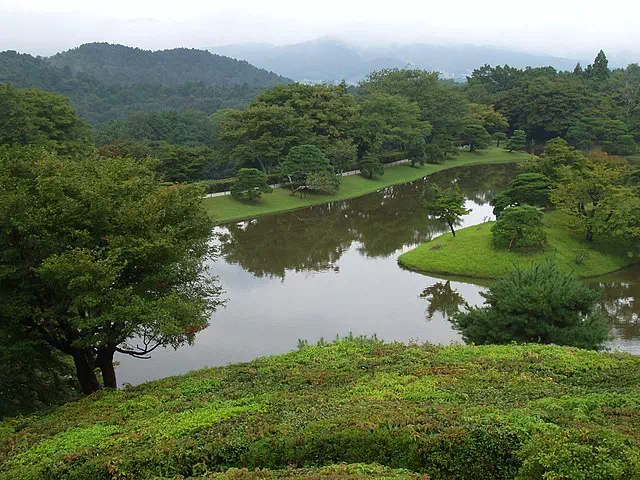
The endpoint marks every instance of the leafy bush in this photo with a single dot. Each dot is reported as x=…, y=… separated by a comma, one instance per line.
x=518, y=228
x=359, y=405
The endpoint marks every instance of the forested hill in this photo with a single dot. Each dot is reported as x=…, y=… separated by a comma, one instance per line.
x=119, y=64
x=177, y=82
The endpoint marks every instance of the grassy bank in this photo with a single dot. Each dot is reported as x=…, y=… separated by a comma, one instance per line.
x=471, y=253
x=226, y=209
x=457, y=412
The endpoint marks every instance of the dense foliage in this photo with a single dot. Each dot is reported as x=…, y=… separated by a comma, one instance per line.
x=542, y=304
x=250, y=184
x=119, y=64
x=457, y=412
x=34, y=117
x=519, y=228
x=96, y=254
x=98, y=101
x=446, y=204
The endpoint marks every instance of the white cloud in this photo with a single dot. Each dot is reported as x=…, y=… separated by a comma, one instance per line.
x=566, y=27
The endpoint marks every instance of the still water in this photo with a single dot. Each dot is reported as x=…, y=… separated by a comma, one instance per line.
x=332, y=270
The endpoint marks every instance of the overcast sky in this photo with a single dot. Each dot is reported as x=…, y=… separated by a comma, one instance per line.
x=571, y=28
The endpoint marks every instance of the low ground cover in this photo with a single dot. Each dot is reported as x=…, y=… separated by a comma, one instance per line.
x=226, y=208
x=462, y=412
x=472, y=253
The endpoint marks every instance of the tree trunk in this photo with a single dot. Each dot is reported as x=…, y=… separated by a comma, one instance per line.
x=453, y=232
x=84, y=362
x=589, y=235
x=105, y=363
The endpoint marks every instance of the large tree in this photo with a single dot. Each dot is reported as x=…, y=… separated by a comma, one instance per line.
x=98, y=258
x=587, y=193
x=474, y=135
x=301, y=161
x=34, y=117
x=262, y=134
x=441, y=104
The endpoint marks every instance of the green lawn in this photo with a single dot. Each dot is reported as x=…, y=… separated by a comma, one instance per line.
x=471, y=253
x=226, y=209
x=455, y=412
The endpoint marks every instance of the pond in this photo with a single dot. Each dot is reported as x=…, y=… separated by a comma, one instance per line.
x=332, y=270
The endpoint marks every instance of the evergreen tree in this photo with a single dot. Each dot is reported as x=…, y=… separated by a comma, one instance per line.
x=518, y=141
x=541, y=304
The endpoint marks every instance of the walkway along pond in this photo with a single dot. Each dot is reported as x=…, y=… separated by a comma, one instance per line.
x=332, y=269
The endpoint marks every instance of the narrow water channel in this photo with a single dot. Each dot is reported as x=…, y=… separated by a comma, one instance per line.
x=331, y=270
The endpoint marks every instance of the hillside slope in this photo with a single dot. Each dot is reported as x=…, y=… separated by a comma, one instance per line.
x=458, y=412
x=99, y=101
x=119, y=64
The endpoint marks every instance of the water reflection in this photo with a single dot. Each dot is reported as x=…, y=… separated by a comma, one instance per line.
x=442, y=299
x=381, y=223
x=621, y=301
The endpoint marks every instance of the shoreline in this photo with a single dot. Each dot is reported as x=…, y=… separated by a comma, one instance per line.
x=225, y=209
x=471, y=253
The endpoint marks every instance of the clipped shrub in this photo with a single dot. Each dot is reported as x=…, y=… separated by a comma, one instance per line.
x=250, y=184
x=519, y=228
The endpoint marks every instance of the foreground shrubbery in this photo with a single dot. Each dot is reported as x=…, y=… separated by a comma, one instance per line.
x=458, y=412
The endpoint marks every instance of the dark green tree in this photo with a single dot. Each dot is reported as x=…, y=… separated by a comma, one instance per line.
x=445, y=204
x=499, y=137
x=342, y=154
x=539, y=304
x=527, y=188
x=624, y=145
x=518, y=141
x=34, y=117
x=98, y=258
x=261, y=135
x=250, y=184
x=600, y=69
x=301, y=161
x=370, y=165
x=474, y=135
x=519, y=228
x=433, y=153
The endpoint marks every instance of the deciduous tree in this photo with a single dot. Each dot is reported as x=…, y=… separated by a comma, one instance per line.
x=99, y=259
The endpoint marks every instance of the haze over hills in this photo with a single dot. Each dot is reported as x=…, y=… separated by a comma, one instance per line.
x=106, y=82
x=332, y=60
x=119, y=64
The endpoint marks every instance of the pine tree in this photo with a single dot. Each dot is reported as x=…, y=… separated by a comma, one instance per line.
x=600, y=69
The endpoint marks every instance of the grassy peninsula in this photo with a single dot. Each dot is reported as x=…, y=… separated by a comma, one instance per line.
x=471, y=252
x=457, y=412
x=226, y=208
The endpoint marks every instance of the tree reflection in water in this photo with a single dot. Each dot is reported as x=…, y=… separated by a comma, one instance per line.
x=442, y=298
x=314, y=239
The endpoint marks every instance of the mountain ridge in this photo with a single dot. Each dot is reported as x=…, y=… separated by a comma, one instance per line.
x=335, y=60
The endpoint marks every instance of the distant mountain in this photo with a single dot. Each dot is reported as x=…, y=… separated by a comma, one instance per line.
x=118, y=64
x=330, y=60
x=107, y=82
